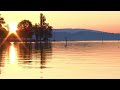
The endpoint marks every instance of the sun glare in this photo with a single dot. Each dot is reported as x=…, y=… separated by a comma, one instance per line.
x=13, y=27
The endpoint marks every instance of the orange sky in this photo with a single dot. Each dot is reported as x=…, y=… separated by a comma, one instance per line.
x=108, y=21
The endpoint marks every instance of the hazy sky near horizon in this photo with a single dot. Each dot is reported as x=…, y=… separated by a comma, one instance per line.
x=108, y=21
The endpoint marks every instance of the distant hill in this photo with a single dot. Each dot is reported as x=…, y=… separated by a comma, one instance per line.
x=82, y=34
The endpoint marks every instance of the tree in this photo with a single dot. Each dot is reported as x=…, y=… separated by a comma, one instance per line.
x=50, y=31
x=36, y=30
x=2, y=21
x=25, y=29
x=3, y=31
x=47, y=31
x=43, y=30
x=24, y=24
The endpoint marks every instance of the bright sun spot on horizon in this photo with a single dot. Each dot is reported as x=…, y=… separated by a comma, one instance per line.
x=13, y=27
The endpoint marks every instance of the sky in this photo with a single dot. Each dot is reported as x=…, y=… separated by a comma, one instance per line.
x=107, y=21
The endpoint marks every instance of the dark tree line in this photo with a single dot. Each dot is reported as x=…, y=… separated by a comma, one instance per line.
x=25, y=29
x=42, y=31
x=3, y=31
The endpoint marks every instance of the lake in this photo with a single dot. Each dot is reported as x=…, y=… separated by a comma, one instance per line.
x=60, y=60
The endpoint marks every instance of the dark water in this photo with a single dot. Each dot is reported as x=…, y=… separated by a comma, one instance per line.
x=76, y=59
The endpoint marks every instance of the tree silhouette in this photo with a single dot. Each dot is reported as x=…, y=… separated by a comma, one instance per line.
x=38, y=31
x=42, y=31
x=47, y=32
x=25, y=29
x=3, y=31
x=2, y=21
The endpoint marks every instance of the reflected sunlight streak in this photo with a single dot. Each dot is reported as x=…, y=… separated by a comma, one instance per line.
x=13, y=54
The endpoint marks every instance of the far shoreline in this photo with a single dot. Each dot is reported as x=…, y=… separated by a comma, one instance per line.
x=61, y=41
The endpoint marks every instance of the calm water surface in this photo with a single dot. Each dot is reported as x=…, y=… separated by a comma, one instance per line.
x=58, y=60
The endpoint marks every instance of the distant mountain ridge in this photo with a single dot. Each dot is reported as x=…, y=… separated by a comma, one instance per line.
x=78, y=29
x=82, y=34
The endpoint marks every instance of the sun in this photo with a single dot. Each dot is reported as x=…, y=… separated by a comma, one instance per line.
x=13, y=27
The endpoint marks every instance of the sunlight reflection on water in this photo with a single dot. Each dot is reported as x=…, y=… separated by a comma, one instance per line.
x=79, y=59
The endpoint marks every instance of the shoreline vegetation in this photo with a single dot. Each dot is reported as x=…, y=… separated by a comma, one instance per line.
x=25, y=30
